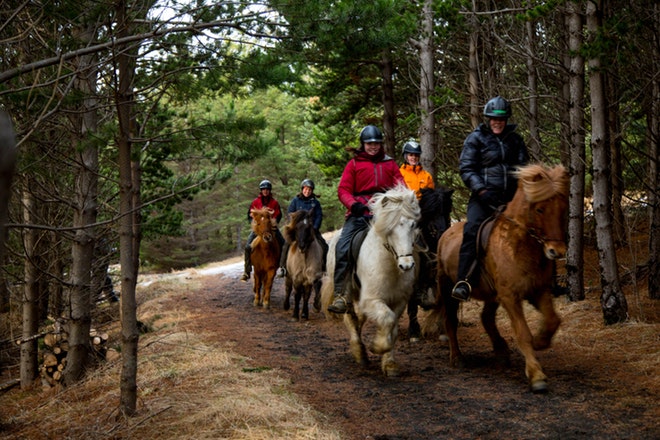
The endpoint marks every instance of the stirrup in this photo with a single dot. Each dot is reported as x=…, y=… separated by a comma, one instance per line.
x=461, y=291
x=339, y=305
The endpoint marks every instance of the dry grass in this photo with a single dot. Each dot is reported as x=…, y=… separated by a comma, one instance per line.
x=189, y=386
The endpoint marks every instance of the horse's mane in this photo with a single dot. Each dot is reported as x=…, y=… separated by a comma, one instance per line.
x=435, y=201
x=540, y=182
x=290, y=228
x=388, y=207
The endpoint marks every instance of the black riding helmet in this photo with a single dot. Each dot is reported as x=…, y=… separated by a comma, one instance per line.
x=370, y=133
x=497, y=107
x=412, y=147
x=265, y=184
x=307, y=182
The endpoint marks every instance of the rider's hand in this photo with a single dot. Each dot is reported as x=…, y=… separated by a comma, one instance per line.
x=358, y=209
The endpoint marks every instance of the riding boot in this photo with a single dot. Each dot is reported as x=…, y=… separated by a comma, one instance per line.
x=248, y=263
x=281, y=271
x=340, y=303
x=462, y=289
x=423, y=299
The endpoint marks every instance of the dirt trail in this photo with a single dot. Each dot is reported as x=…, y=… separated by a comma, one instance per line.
x=594, y=392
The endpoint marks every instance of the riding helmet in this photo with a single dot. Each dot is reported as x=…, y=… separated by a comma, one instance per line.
x=307, y=182
x=371, y=133
x=265, y=184
x=412, y=147
x=497, y=107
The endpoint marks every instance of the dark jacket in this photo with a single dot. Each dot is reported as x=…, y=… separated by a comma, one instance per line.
x=301, y=202
x=487, y=161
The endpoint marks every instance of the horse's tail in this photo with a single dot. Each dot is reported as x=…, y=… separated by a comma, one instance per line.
x=433, y=324
x=328, y=281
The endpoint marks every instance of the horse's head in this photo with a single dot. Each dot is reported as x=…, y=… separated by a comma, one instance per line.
x=263, y=223
x=435, y=205
x=396, y=213
x=301, y=229
x=541, y=204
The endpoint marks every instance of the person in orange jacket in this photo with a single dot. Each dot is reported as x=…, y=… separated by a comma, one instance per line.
x=413, y=173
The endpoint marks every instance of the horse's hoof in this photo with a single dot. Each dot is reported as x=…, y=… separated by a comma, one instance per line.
x=443, y=338
x=414, y=339
x=287, y=306
x=293, y=319
x=255, y=303
x=266, y=305
x=540, y=387
x=391, y=370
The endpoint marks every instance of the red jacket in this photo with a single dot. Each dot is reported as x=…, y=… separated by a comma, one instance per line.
x=263, y=202
x=366, y=175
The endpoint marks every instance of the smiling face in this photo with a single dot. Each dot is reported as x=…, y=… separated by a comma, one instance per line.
x=306, y=191
x=412, y=158
x=372, y=148
x=497, y=125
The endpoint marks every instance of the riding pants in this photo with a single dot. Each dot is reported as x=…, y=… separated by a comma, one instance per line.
x=477, y=212
x=342, y=260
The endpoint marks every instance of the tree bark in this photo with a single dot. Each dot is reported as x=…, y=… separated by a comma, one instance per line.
x=653, y=136
x=389, y=116
x=427, y=136
x=574, y=256
x=29, y=368
x=85, y=211
x=534, y=142
x=612, y=300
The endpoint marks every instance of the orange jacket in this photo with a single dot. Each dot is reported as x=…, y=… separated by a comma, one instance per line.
x=416, y=178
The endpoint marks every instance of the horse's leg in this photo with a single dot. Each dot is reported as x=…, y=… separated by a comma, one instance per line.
x=385, y=319
x=500, y=346
x=268, y=286
x=537, y=379
x=257, y=288
x=414, y=330
x=388, y=364
x=450, y=315
x=317, y=295
x=288, y=286
x=354, y=326
x=550, y=322
x=296, y=302
x=306, y=293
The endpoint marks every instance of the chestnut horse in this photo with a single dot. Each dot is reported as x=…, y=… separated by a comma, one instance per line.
x=304, y=264
x=518, y=265
x=385, y=273
x=265, y=255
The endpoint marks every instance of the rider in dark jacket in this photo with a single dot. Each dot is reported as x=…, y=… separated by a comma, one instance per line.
x=306, y=200
x=490, y=155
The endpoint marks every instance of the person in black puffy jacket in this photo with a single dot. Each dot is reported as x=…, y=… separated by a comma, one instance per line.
x=490, y=155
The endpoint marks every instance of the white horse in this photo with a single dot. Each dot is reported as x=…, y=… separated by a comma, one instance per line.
x=386, y=270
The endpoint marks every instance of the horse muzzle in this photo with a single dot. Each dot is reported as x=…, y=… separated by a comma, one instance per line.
x=554, y=250
x=405, y=262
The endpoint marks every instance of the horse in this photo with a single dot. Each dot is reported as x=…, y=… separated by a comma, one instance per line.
x=385, y=273
x=265, y=255
x=525, y=240
x=304, y=264
x=435, y=206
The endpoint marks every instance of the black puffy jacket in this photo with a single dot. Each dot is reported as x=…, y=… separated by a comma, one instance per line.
x=487, y=161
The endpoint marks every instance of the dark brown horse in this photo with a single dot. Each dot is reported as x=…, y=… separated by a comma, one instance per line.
x=518, y=265
x=265, y=255
x=304, y=265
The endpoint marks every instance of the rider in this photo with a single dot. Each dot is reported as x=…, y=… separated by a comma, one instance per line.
x=264, y=200
x=490, y=155
x=368, y=172
x=417, y=178
x=306, y=200
x=413, y=173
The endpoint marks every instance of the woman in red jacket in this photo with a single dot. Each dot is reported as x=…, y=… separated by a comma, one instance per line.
x=368, y=172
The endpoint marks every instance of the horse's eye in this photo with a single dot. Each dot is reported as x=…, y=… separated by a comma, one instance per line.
x=539, y=211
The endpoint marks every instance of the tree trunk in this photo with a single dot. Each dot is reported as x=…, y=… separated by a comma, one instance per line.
x=128, y=248
x=653, y=135
x=574, y=256
x=427, y=134
x=7, y=165
x=534, y=142
x=474, y=84
x=85, y=211
x=389, y=115
x=29, y=365
x=612, y=300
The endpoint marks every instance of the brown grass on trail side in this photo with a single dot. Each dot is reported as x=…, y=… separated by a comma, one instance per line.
x=213, y=366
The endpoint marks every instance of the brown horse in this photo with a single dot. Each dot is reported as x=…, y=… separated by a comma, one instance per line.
x=518, y=265
x=265, y=254
x=304, y=265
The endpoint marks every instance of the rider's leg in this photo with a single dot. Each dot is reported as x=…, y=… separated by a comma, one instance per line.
x=342, y=263
x=248, y=261
x=281, y=271
x=467, y=256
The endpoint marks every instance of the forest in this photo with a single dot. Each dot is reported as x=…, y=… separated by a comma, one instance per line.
x=144, y=128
